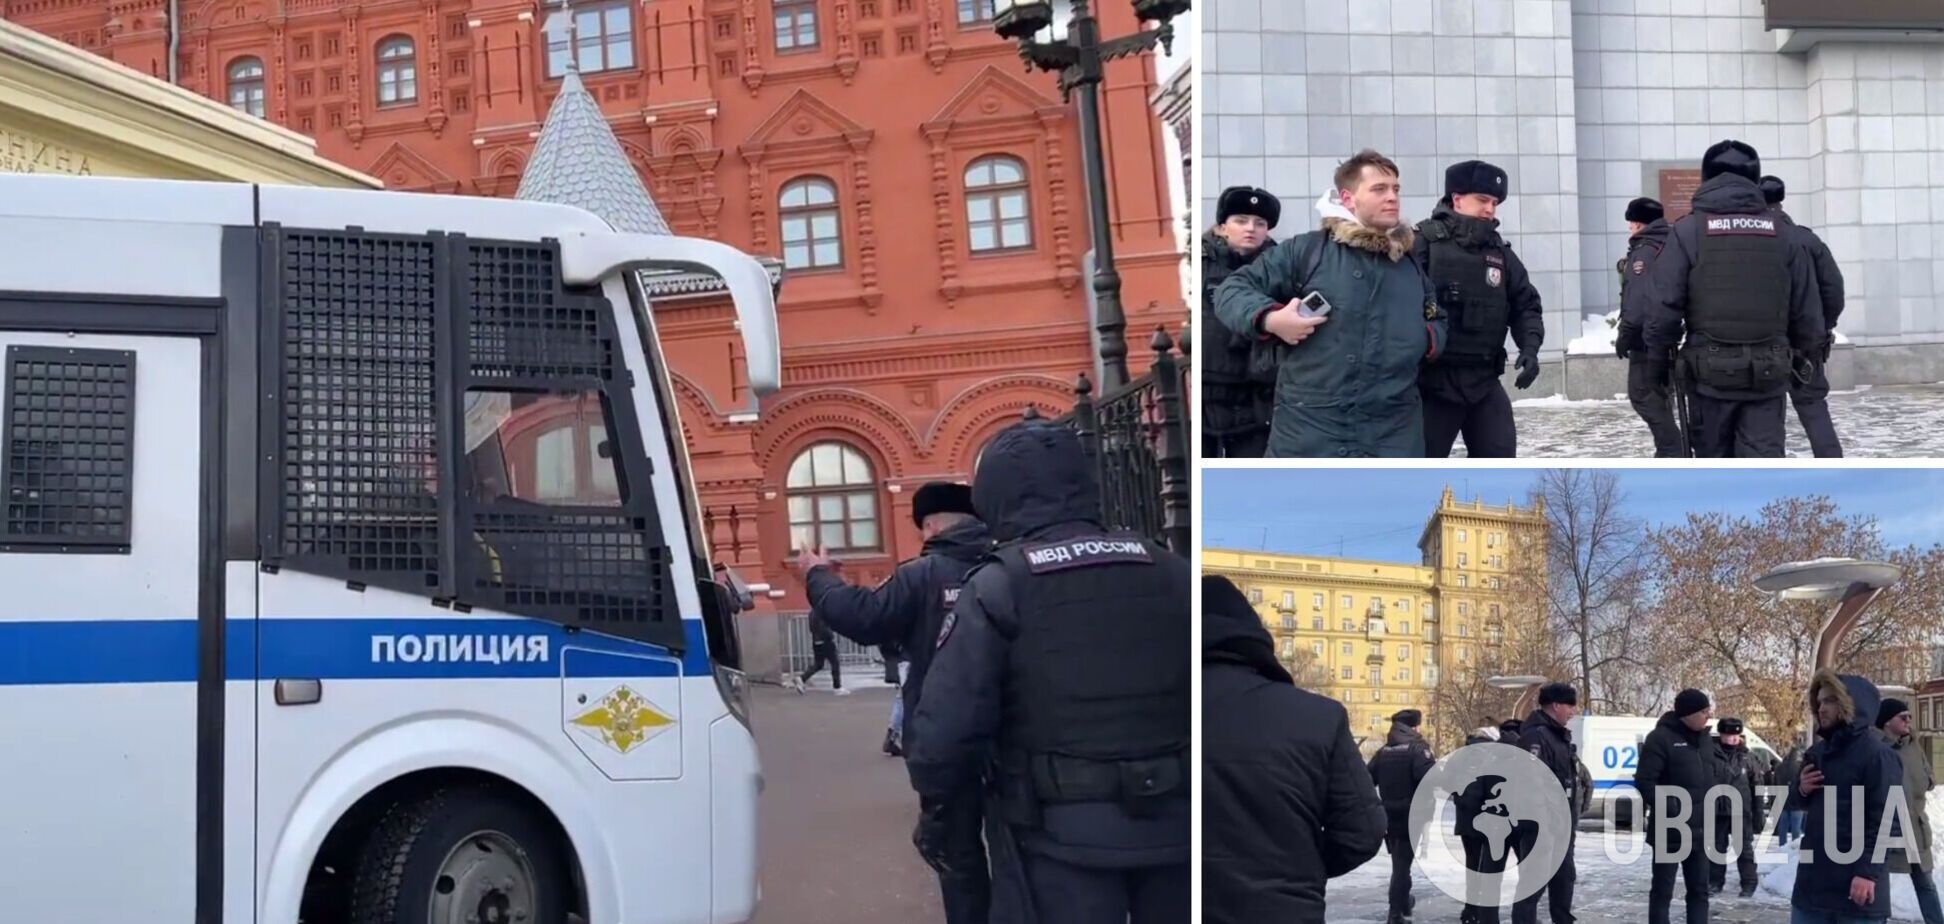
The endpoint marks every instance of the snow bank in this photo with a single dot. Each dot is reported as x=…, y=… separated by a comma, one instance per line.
x=1599, y=331
x=1597, y=335
x=1558, y=400
x=1779, y=879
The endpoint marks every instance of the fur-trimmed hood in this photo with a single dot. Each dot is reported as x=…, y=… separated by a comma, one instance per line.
x=1393, y=244
x=1859, y=697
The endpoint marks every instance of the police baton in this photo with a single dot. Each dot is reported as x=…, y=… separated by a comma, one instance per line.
x=1681, y=401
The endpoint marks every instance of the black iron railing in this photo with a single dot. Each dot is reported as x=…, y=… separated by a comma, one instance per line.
x=1138, y=436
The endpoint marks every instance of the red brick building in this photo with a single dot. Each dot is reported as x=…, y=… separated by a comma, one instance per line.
x=924, y=191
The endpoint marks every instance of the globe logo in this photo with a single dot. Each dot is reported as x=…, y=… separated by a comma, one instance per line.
x=1489, y=814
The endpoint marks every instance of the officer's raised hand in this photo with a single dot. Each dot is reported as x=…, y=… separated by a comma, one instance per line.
x=1288, y=324
x=1528, y=369
x=808, y=559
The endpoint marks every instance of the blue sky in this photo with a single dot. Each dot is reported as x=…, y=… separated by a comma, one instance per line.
x=1378, y=513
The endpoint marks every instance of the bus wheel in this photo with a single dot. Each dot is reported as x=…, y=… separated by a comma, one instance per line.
x=461, y=856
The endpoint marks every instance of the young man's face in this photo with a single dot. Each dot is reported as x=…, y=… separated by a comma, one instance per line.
x=1244, y=233
x=1731, y=740
x=1476, y=205
x=1374, y=200
x=1829, y=711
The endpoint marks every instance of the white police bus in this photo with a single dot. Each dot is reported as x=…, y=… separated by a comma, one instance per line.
x=351, y=566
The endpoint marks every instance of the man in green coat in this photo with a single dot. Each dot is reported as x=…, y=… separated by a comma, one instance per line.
x=1346, y=381
x=1893, y=723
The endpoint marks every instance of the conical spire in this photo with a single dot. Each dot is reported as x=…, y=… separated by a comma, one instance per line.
x=578, y=162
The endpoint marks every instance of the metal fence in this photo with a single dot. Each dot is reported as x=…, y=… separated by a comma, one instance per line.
x=1138, y=435
x=861, y=664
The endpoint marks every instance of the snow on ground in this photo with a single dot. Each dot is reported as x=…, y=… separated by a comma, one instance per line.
x=1900, y=422
x=1607, y=891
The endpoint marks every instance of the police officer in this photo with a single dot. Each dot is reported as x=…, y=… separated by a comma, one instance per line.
x=908, y=609
x=1737, y=282
x=1742, y=771
x=1397, y=768
x=1649, y=375
x=1484, y=290
x=1546, y=734
x=1235, y=404
x=1066, y=663
x=1808, y=396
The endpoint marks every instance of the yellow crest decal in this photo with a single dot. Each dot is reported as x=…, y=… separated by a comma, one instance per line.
x=623, y=720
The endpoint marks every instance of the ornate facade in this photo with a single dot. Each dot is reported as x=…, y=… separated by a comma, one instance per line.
x=1379, y=635
x=925, y=193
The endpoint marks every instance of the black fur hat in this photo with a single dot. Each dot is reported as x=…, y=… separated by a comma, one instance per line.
x=1731, y=157
x=940, y=497
x=1773, y=190
x=1644, y=210
x=1476, y=176
x=1247, y=200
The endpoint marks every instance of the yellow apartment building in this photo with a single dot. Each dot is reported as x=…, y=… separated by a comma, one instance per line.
x=1381, y=632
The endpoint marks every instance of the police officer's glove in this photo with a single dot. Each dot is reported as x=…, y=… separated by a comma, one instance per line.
x=1627, y=340
x=1528, y=369
x=930, y=837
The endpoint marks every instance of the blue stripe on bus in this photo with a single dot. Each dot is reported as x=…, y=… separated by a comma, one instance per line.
x=165, y=651
x=1613, y=784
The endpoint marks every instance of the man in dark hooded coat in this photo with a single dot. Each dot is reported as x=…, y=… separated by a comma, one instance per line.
x=1844, y=879
x=1287, y=804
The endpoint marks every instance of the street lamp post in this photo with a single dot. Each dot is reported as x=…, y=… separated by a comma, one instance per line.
x=1080, y=60
x=1853, y=584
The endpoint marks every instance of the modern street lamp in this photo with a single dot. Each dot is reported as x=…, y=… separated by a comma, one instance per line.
x=1852, y=583
x=1080, y=59
x=1529, y=683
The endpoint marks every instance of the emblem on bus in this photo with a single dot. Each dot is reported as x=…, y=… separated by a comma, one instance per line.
x=623, y=720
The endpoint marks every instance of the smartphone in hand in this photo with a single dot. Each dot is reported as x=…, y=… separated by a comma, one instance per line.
x=1313, y=305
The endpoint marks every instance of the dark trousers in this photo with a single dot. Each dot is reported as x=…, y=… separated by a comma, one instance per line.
x=967, y=889
x=1478, y=857
x=1252, y=444
x=1486, y=425
x=1744, y=861
x=1813, y=410
x=1650, y=389
x=1694, y=876
x=823, y=653
x=1070, y=894
x=1558, y=891
x=1720, y=429
x=1397, y=840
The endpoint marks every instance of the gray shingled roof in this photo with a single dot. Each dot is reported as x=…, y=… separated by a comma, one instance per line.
x=577, y=162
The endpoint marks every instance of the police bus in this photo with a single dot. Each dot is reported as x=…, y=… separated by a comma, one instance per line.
x=352, y=569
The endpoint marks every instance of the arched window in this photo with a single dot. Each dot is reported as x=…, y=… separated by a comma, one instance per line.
x=246, y=86
x=833, y=500
x=808, y=212
x=996, y=205
x=397, y=72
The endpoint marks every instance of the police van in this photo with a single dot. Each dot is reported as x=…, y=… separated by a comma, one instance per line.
x=1609, y=746
x=352, y=566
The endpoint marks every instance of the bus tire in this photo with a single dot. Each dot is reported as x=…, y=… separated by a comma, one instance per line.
x=460, y=854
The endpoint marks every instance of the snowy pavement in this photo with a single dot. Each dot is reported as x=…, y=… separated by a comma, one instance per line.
x=1610, y=889
x=1895, y=422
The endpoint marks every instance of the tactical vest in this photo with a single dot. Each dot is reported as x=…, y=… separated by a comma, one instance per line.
x=1097, y=702
x=1470, y=287
x=947, y=578
x=1738, y=304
